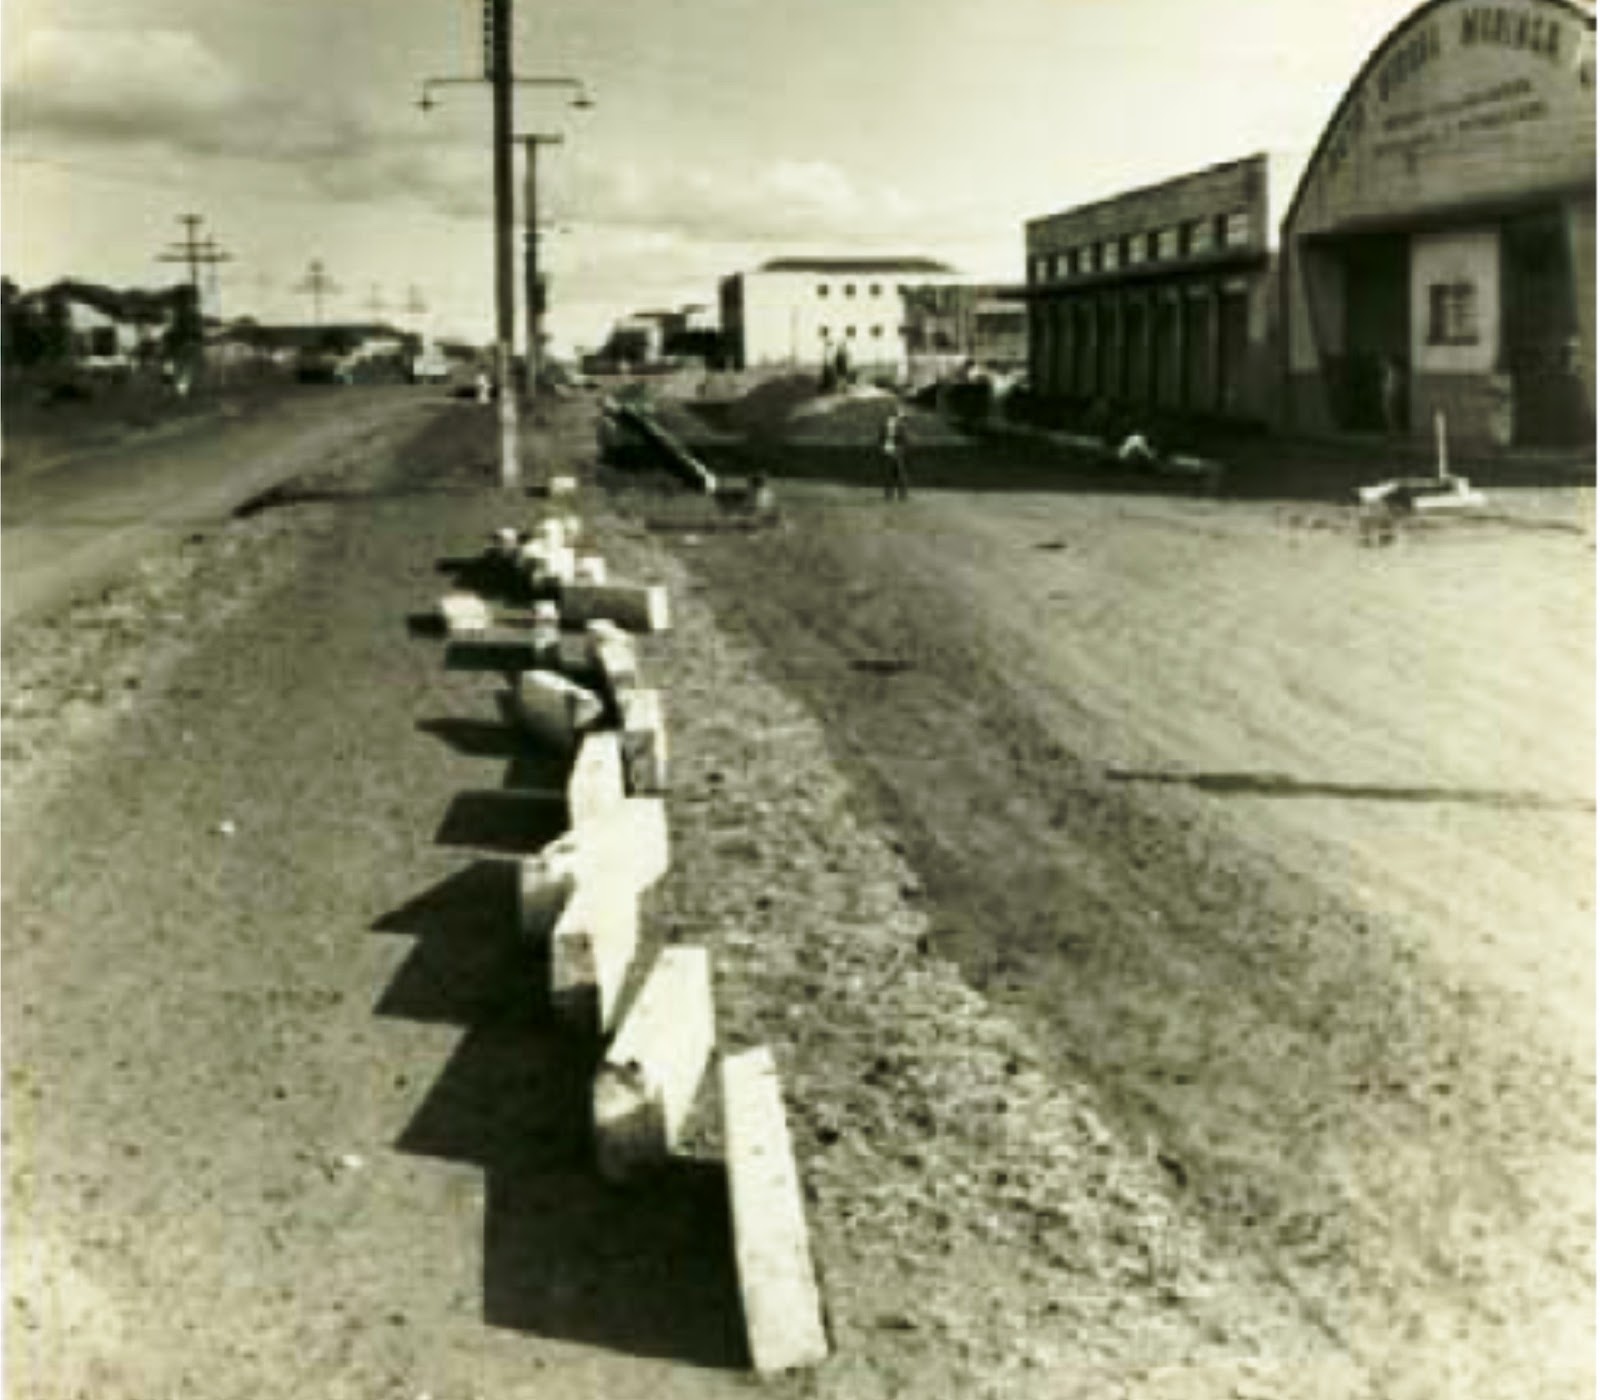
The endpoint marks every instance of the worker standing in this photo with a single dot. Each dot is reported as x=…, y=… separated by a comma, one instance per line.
x=894, y=443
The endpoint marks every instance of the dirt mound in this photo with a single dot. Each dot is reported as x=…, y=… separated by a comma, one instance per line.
x=792, y=409
x=765, y=409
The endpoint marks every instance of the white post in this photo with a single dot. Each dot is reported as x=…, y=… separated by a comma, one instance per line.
x=1439, y=437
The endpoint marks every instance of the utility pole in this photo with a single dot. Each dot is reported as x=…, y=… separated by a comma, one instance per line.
x=375, y=302
x=317, y=284
x=533, y=289
x=497, y=71
x=505, y=292
x=195, y=252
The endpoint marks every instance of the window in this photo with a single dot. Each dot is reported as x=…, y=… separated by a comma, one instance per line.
x=1233, y=229
x=1167, y=243
x=849, y=289
x=877, y=331
x=1090, y=256
x=876, y=289
x=1066, y=264
x=103, y=340
x=1453, y=313
x=822, y=289
x=1111, y=255
x=1198, y=236
x=850, y=331
x=1135, y=249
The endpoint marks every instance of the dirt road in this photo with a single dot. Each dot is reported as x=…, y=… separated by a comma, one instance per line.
x=1073, y=850
x=85, y=518
x=1284, y=843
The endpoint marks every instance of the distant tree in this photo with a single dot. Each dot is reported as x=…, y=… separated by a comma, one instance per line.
x=36, y=332
x=186, y=334
x=337, y=340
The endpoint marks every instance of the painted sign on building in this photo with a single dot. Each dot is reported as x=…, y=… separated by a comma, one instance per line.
x=1461, y=95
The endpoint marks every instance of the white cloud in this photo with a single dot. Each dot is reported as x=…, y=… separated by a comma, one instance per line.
x=159, y=82
x=164, y=90
x=787, y=201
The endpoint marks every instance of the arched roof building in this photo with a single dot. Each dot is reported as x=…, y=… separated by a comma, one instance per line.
x=1438, y=255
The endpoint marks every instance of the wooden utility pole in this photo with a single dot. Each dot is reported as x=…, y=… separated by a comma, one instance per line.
x=498, y=13
x=533, y=285
x=317, y=283
x=195, y=252
x=497, y=70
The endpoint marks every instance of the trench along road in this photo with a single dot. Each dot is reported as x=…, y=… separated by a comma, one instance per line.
x=1287, y=845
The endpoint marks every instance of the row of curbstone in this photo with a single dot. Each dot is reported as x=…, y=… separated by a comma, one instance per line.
x=576, y=690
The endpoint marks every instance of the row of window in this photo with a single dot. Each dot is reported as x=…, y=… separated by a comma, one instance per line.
x=849, y=289
x=1185, y=240
x=826, y=332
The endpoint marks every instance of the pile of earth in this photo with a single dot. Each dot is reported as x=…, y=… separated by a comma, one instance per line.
x=793, y=409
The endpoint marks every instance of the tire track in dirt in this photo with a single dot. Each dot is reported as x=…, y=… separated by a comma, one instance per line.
x=1323, y=1092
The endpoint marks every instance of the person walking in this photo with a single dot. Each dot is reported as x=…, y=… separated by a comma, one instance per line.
x=894, y=444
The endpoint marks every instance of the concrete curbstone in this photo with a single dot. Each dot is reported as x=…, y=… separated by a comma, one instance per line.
x=644, y=741
x=464, y=614
x=638, y=607
x=627, y=846
x=646, y=1085
x=590, y=568
x=554, y=710
x=777, y=1280
x=614, y=657
x=546, y=564
x=596, y=785
x=591, y=950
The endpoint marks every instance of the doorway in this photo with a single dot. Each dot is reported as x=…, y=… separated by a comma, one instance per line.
x=1540, y=311
x=1377, y=326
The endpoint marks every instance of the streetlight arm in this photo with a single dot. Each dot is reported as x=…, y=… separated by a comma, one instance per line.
x=583, y=100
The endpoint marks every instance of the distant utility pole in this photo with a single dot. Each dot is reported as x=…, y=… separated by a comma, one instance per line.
x=375, y=302
x=533, y=283
x=195, y=252
x=317, y=284
x=415, y=305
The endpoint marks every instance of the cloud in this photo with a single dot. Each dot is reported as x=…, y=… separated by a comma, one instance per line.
x=787, y=201
x=164, y=89
x=158, y=83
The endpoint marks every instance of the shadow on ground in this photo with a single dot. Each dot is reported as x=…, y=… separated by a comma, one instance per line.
x=1284, y=785
x=647, y=1271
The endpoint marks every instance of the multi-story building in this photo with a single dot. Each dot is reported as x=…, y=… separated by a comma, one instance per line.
x=1435, y=258
x=799, y=311
x=1161, y=298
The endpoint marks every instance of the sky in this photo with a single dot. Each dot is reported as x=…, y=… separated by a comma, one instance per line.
x=724, y=133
